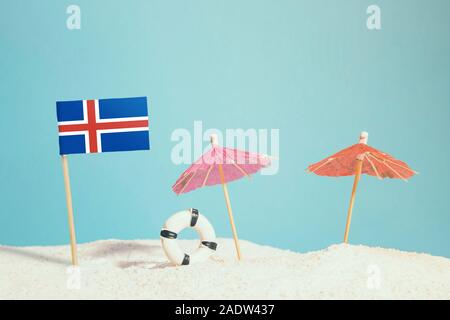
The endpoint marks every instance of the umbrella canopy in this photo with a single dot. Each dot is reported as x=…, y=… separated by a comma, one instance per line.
x=361, y=159
x=205, y=171
x=220, y=165
x=375, y=163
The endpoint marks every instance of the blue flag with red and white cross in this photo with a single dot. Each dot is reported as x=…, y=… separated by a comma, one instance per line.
x=103, y=125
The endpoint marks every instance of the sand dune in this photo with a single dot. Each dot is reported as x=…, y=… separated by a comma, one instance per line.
x=116, y=269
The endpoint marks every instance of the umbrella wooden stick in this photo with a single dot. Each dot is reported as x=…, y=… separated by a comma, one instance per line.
x=73, y=241
x=358, y=169
x=352, y=199
x=230, y=212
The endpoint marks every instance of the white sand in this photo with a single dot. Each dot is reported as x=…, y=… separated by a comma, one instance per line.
x=116, y=269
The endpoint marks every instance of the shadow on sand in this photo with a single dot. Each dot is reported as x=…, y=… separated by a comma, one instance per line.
x=132, y=250
x=144, y=264
x=102, y=250
x=26, y=253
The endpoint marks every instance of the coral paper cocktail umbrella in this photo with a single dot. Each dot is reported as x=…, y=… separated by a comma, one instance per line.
x=356, y=160
x=218, y=166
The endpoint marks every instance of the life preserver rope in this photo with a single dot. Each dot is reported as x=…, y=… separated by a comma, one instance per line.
x=185, y=219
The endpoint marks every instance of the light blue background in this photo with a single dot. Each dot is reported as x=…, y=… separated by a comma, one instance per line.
x=310, y=68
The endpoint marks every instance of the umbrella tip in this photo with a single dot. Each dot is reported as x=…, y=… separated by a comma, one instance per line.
x=363, y=137
x=214, y=139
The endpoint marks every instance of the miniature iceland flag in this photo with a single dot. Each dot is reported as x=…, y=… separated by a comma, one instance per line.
x=103, y=125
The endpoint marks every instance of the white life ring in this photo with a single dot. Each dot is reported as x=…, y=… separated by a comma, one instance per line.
x=185, y=219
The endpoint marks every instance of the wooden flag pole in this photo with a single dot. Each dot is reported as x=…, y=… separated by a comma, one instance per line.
x=230, y=211
x=358, y=169
x=73, y=241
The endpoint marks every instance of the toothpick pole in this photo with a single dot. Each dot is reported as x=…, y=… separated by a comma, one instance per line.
x=358, y=169
x=352, y=199
x=230, y=212
x=214, y=142
x=73, y=241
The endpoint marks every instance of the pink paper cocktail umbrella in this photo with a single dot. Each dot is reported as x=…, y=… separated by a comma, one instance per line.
x=220, y=165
